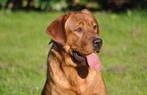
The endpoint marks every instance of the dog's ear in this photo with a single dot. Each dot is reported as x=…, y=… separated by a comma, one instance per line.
x=56, y=30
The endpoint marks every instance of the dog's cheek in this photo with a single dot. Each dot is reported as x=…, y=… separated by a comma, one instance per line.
x=86, y=47
x=73, y=41
x=86, y=43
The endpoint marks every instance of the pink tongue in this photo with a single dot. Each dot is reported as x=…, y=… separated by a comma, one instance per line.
x=94, y=61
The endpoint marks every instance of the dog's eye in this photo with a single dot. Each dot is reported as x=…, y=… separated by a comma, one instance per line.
x=94, y=26
x=79, y=29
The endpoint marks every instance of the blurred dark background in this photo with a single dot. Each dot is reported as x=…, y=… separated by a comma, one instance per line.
x=64, y=5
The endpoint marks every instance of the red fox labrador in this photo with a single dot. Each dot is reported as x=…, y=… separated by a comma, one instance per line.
x=73, y=67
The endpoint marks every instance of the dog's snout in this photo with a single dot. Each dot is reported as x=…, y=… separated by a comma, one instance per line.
x=97, y=42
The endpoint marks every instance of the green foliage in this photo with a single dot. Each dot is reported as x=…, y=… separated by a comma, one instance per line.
x=24, y=47
x=58, y=5
x=3, y=2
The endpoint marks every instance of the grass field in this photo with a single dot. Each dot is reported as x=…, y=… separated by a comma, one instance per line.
x=24, y=47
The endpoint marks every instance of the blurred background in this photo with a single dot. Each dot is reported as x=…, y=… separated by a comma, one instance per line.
x=24, y=43
x=64, y=5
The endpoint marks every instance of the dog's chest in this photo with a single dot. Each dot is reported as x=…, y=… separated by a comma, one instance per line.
x=80, y=83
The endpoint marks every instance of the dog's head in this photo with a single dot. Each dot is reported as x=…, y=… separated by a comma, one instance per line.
x=78, y=33
x=77, y=30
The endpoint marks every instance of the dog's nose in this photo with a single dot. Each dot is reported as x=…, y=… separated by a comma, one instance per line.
x=97, y=42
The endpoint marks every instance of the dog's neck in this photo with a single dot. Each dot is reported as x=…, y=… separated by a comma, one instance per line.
x=75, y=56
x=79, y=61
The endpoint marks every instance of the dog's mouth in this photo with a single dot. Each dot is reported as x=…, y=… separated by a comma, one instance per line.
x=91, y=60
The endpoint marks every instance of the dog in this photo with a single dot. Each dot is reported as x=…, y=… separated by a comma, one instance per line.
x=73, y=67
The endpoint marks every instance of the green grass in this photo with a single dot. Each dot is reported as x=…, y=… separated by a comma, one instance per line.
x=24, y=48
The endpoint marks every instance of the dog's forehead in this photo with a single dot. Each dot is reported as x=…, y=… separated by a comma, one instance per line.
x=82, y=17
x=75, y=18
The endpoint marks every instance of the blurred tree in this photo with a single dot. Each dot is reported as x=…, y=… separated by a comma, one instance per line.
x=44, y=4
x=138, y=3
x=30, y=4
x=0, y=6
x=121, y=5
x=57, y=5
x=76, y=4
x=14, y=4
x=73, y=2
